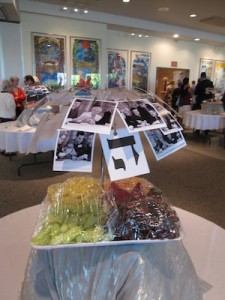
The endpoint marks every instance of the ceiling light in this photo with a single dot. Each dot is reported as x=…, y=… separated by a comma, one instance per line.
x=176, y=35
x=197, y=39
x=132, y=33
x=65, y=7
x=76, y=9
x=86, y=11
x=126, y=1
x=163, y=9
x=146, y=35
x=193, y=16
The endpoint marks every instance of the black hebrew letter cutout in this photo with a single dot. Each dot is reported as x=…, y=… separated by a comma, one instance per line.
x=123, y=142
x=119, y=163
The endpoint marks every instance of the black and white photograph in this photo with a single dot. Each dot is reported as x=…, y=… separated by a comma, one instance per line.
x=90, y=115
x=139, y=115
x=124, y=154
x=171, y=123
x=164, y=145
x=74, y=151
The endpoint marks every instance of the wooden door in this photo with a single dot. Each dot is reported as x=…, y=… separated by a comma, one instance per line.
x=165, y=75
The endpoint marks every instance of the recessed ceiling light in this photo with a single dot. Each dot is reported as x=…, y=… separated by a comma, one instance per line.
x=197, y=39
x=76, y=9
x=176, y=35
x=86, y=11
x=65, y=7
x=146, y=36
x=140, y=35
x=132, y=33
x=163, y=9
x=193, y=16
x=126, y=1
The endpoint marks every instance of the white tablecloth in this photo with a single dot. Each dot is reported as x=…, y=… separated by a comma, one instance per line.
x=28, y=139
x=204, y=241
x=15, y=139
x=196, y=120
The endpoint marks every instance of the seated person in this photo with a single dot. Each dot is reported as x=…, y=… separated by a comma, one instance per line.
x=88, y=117
x=33, y=89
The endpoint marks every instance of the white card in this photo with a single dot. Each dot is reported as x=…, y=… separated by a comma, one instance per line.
x=124, y=154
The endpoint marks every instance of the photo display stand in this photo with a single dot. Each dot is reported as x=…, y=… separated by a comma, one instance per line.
x=122, y=149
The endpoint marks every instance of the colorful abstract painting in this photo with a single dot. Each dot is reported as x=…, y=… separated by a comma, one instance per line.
x=117, y=68
x=85, y=63
x=140, y=67
x=49, y=59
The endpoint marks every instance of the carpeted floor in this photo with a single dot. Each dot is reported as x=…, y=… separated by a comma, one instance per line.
x=192, y=178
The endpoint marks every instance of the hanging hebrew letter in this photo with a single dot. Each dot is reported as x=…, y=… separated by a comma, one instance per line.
x=124, y=154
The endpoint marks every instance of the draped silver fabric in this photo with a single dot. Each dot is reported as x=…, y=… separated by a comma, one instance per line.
x=156, y=271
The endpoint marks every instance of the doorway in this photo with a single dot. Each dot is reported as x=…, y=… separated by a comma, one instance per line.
x=165, y=75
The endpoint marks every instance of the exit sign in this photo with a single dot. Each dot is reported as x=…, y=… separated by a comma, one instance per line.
x=173, y=63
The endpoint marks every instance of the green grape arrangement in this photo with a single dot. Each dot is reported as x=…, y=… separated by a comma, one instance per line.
x=76, y=212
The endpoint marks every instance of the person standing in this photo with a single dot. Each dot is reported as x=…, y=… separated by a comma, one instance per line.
x=7, y=102
x=202, y=90
x=185, y=97
x=18, y=94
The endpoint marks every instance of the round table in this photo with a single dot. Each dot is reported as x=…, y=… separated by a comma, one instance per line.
x=15, y=139
x=199, y=121
x=203, y=240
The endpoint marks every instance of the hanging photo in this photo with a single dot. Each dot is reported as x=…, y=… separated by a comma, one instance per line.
x=117, y=68
x=139, y=115
x=74, y=151
x=124, y=154
x=171, y=123
x=140, y=68
x=90, y=115
x=49, y=59
x=164, y=145
x=85, y=63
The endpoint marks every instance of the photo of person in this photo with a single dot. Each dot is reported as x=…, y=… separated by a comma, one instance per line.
x=139, y=115
x=171, y=123
x=90, y=115
x=164, y=145
x=74, y=151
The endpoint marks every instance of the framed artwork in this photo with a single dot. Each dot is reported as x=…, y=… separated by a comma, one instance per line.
x=85, y=55
x=207, y=65
x=117, y=68
x=140, y=68
x=219, y=76
x=49, y=59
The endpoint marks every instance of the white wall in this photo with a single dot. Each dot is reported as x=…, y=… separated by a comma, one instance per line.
x=11, y=58
x=16, y=56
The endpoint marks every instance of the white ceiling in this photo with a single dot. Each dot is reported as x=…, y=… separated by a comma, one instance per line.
x=209, y=23
x=210, y=15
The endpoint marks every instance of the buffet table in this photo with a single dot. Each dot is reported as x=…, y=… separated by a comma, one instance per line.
x=204, y=241
x=199, y=121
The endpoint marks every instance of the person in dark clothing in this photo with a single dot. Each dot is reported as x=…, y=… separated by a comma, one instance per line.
x=202, y=91
x=175, y=96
